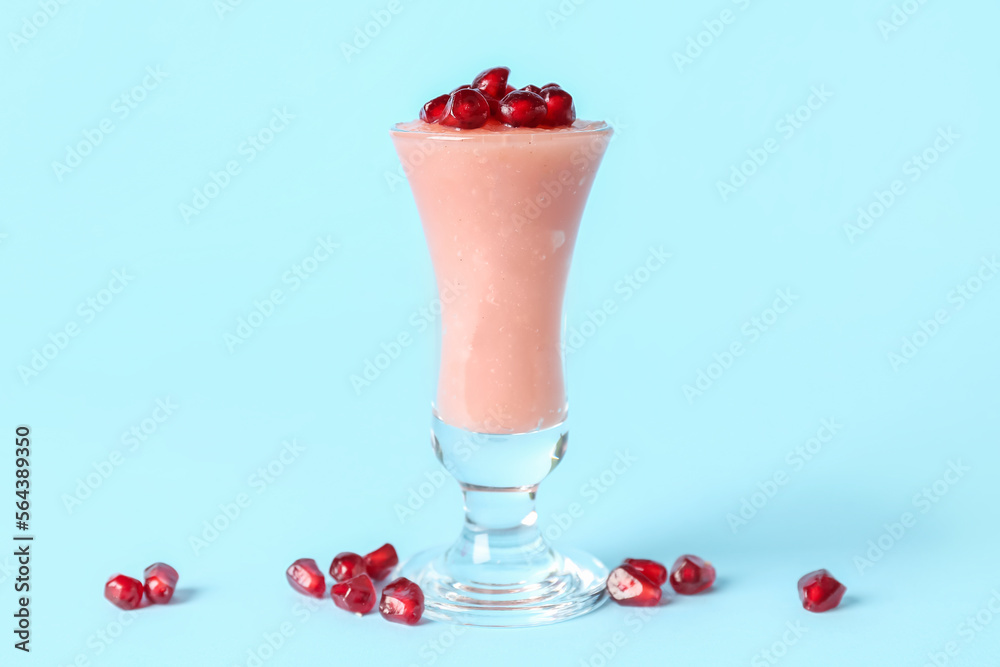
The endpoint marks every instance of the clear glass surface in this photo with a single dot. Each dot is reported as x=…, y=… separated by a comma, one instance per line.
x=500, y=209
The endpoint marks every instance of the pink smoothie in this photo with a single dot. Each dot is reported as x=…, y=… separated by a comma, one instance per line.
x=500, y=208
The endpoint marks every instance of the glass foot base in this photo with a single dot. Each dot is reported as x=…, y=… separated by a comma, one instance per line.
x=573, y=585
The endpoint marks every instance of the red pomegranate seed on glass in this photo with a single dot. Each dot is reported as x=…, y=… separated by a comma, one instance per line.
x=492, y=81
x=819, y=591
x=532, y=89
x=123, y=592
x=650, y=569
x=379, y=562
x=691, y=575
x=305, y=577
x=346, y=565
x=402, y=602
x=631, y=588
x=356, y=595
x=559, y=107
x=161, y=581
x=522, y=109
x=467, y=109
x=494, y=106
x=492, y=101
x=433, y=110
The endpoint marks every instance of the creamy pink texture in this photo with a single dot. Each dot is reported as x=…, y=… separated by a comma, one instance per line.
x=500, y=209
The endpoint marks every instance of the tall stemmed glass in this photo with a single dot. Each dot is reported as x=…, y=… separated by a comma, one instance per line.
x=500, y=210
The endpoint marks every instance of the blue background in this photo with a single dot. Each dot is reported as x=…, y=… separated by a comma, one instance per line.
x=331, y=173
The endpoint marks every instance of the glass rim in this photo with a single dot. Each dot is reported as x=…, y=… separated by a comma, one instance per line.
x=458, y=135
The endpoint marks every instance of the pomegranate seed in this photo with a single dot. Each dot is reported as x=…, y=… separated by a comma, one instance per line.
x=379, y=562
x=631, y=588
x=467, y=109
x=819, y=591
x=433, y=110
x=532, y=89
x=402, y=602
x=305, y=577
x=691, y=575
x=492, y=101
x=346, y=565
x=522, y=109
x=494, y=106
x=356, y=595
x=649, y=569
x=161, y=580
x=559, y=107
x=551, y=85
x=123, y=592
x=509, y=89
x=492, y=82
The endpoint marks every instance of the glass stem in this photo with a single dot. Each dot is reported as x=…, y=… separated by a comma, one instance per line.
x=501, y=525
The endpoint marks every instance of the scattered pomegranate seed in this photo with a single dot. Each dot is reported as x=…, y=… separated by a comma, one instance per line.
x=819, y=591
x=492, y=82
x=161, y=580
x=466, y=109
x=402, y=602
x=532, y=89
x=522, y=109
x=650, y=569
x=465, y=87
x=433, y=110
x=379, y=562
x=356, y=595
x=123, y=592
x=551, y=85
x=346, y=565
x=305, y=577
x=691, y=575
x=509, y=89
x=631, y=588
